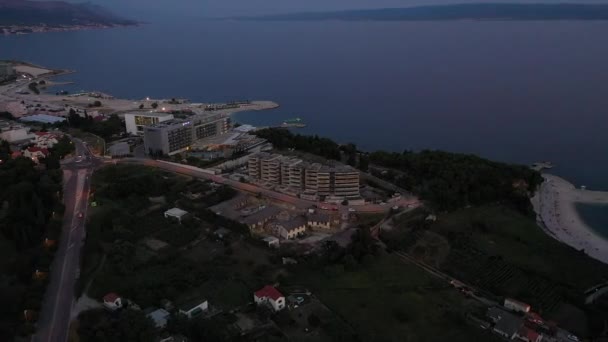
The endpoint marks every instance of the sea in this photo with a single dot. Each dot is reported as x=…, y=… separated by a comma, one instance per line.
x=513, y=91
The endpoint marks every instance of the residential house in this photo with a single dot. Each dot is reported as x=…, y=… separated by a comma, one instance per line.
x=508, y=325
x=176, y=213
x=516, y=305
x=271, y=241
x=257, y=220
x=290, y=229
x=112, y=301
x=268, y=295
x=528, y=335
x=35, y=153
x=194, y=308
x=322, y=221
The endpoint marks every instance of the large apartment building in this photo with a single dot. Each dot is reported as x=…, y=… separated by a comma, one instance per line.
x=177, y=135
x=308, y=179
x=135, y=122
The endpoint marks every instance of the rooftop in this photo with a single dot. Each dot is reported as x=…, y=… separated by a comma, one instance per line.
x=262, y=215
x=293, y=223
x=150, y=114
x=270, y=239
x=38, y=149
x=169, y=123
x=508, y=323
x=110, y=297
x=319, y=218
x=528, y=333
x=268, y=292
x=176, y=212
x=190, y=304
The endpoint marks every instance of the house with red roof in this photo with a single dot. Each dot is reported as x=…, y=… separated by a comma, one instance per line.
x=268, y=295
x=35, y=153
x=528, y=335
x=112, y=301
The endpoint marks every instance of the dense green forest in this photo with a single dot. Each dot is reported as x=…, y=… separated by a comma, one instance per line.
x=30, y=213
x=284, y=139
x=446, y=180
x=454, y=180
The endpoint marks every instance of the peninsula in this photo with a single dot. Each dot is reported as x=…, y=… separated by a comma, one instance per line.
x=24, y=16
x=480, y=11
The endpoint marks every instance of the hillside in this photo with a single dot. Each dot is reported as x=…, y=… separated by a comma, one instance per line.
x=56, y=13
x=495, y=11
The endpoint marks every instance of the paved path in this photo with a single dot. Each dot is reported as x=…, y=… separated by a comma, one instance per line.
x=254, y=189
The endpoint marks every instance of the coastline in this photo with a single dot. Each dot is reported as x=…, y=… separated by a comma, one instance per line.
x=555, y=206
x=110, y=104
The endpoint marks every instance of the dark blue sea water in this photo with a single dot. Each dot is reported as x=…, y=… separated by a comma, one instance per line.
x=511, y=91
x=595, y=216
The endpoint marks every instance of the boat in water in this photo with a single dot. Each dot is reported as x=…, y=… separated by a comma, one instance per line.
x=293, y=123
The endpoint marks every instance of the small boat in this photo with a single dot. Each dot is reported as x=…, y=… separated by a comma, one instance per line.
x=296, y=123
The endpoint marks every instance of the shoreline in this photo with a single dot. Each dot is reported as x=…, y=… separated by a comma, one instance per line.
x=555, y=207
x=110, y=104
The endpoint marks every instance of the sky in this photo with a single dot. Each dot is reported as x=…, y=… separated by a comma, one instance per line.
x=150, y=9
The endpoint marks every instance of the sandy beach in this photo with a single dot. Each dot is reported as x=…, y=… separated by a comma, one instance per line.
x=555, y=205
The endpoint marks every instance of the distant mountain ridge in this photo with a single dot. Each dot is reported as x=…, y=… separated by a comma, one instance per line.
x=26, y=12
x=474, y=11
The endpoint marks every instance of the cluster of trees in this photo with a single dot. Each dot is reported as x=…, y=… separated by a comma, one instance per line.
x=282, y=138
x=34, y=88
x=335, y=259
x=127, y=326
x=31, y=211
x=454, y=180
x=95, y=104
x=105, y=129
x=63, y=147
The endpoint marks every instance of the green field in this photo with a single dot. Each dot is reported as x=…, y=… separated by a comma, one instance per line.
x=505, y=253
x=389, y=300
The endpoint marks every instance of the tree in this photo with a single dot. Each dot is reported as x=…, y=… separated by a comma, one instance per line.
x=363, y=162
x=314, y=320
x=34, y=88
x=141, y=106
x=130, y=325
x=154, y=105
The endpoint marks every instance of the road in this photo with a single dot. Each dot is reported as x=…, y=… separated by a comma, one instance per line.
x=254, y=189
x=54, y=319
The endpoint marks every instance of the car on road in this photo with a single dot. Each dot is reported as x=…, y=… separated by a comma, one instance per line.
x=352, y=210
x=80, y=214
x=573, y=338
